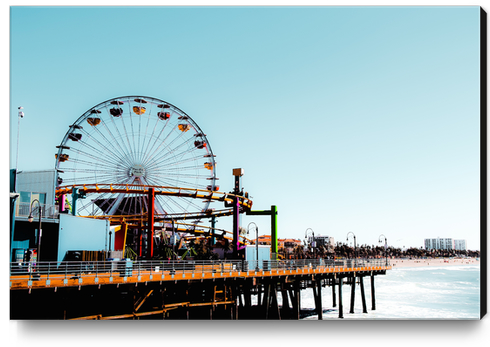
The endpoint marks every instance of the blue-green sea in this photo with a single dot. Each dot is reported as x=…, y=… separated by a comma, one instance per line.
x=446, y=292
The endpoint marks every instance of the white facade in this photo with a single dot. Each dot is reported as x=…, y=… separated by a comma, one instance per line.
x=439, y=243
x=460, y=245
x=36, y=185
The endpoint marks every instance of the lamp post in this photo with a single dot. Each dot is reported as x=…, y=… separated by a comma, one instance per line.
x=355, y=245
x=313, y=243
x=110, y=239
x=21, y=115
x=256, y=244
x=30, y=219
x=386, y=247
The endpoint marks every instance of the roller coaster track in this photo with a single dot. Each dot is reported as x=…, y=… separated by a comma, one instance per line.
x=244, y=202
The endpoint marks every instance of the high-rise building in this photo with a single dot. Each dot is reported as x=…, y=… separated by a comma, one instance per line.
x=460, y=245
x=439, y=243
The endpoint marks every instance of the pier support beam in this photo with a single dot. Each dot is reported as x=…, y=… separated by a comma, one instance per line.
x=373, y=299
x=296, y=300
x=341, y=306
x=266, y=299
x=334, y=298
x=317, y=294
x=286, y=309
x=274, y=301
x=363, y=297
x=352, y=294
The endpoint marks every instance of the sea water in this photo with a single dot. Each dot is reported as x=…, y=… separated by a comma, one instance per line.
x=445, y=292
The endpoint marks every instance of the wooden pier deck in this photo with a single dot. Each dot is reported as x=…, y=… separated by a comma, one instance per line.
x=202, y=290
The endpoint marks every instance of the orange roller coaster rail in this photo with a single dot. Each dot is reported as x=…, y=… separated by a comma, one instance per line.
x=194, y=193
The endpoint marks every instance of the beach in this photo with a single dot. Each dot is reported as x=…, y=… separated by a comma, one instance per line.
x=396, y=263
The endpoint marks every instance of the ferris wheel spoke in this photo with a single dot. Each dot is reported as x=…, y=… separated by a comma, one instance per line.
x=86, y=164
x=116, y=200
x=81, y=171
x=140, y=158
x=108, y=178
x=174, y=159
x=179, y=182
x=170, y=170
x=169, y=162
x=126, y=135
x=101, y=147
x=170, y=206
x=168, y=146
x=182, y=204
x=149, y=151
x=133, y=131
x=168, y=182
x=121, y=142
x=101, y=159
x=100, y=154
x=154, y=138
x=122, y=153
x=99, y=173
x=177, y=175
x=142, y=145
x=152, y=152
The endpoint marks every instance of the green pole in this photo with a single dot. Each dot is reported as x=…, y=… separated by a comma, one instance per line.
x=74, y=197
x=274, y=229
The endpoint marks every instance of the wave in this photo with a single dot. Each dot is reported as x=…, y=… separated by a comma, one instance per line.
x=445, y=292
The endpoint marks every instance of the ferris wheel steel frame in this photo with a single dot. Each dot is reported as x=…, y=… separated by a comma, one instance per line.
x=128, y=152
x=136, y=140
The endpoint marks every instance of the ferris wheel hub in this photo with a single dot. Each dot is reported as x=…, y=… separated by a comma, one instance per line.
x=137, y=171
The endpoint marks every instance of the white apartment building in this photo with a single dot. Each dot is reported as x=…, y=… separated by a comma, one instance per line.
x=439, y=243
x=460, y=245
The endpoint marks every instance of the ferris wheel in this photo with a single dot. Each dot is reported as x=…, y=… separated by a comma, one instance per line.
x=136, y=141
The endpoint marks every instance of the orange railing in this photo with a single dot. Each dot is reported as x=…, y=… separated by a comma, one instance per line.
x=77, y=273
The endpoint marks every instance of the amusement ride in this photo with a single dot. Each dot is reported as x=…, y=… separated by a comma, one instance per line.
x=147, y=167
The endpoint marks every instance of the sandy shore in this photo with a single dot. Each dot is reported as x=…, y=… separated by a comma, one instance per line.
x=433, y=262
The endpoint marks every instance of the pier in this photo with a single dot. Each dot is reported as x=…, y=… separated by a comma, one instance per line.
x=184, y=289
x=147, y=201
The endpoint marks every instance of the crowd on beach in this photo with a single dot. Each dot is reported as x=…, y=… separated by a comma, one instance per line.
x=415, y=255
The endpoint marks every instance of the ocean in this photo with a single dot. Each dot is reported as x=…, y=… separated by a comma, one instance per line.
x=445, y=292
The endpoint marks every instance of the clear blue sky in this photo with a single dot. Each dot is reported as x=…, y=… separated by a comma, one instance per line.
x=362, y=119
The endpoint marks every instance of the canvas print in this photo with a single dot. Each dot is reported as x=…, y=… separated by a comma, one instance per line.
x=247, y=163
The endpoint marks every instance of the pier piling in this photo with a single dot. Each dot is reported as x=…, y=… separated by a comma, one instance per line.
x=318, y=301
x=352, y=294
x=363, y=297
x=341, y=306
x=373, y=299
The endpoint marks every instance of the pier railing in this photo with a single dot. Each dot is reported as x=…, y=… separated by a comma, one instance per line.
x=23, y=209
x=127, y=268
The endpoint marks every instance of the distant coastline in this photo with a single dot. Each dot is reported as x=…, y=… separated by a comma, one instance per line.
x=396, y=263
